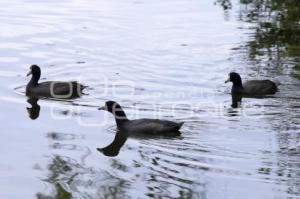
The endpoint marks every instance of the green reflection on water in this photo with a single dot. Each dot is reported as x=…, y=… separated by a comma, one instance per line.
x=276, y=37
x=277, y=32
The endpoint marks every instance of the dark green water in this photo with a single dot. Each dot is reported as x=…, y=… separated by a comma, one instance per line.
x=158, y=59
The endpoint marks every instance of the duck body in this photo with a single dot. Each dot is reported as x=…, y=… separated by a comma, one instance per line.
x=259, y=87
x=52, y=89
x=141, y=127
x=252, y=87
x=55, y=89
x=150, y=127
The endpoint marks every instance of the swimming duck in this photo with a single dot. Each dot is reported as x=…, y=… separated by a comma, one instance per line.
x=52, y=89
x=251, y=88
x=140, y=126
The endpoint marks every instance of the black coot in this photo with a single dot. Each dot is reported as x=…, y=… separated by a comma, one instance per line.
x=53, y=89
x=141, y=126
x=251, y=88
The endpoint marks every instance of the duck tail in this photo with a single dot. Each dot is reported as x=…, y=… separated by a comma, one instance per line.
x=276, y=84
x=180, y=125
x=83, y=87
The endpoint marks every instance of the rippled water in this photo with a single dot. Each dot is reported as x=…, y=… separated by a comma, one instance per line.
x=158, y=59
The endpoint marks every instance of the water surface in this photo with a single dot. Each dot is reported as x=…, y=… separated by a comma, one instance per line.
x=158, y=59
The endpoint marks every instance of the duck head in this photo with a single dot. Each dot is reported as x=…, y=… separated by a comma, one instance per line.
x=115, y=109
x=235, y=78
x=34, y=70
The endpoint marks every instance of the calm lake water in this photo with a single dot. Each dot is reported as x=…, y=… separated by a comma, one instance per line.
x=158, y=59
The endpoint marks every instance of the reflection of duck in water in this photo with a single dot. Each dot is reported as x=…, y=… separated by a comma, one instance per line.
x=114, y=148
x=236, y=100
x=34, y=111
x=140, y=128
x=53, y=89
